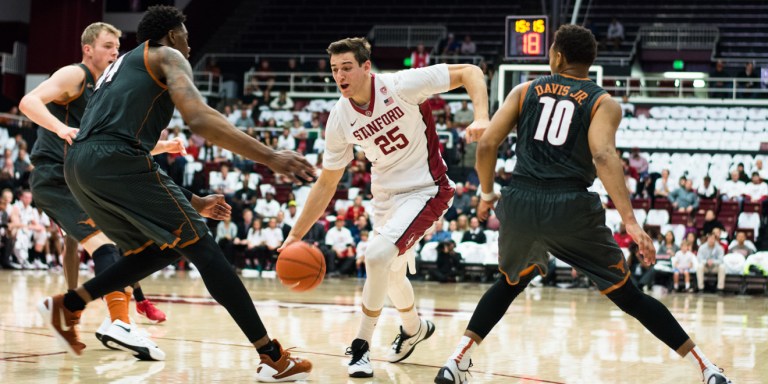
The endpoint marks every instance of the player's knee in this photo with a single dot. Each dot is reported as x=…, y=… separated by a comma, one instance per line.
x=380, y=253
x=627, y=298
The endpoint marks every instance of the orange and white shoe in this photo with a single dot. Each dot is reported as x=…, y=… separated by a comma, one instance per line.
x=287, y=368
x=62, y=322
x=147, y=309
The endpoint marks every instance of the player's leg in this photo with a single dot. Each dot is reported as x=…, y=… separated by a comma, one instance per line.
x=70, y=261
x=144, y=306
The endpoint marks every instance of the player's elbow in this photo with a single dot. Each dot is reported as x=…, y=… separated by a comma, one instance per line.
x=25, y=104
x=603, y=157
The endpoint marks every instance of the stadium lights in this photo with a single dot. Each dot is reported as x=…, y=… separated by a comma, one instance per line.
x=684, y=75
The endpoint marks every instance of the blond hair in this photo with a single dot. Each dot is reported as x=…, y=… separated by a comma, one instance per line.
x=92, y=31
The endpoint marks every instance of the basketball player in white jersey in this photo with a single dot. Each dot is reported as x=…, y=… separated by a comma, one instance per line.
x=387, y=115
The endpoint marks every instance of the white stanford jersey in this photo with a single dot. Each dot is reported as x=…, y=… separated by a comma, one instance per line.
x=397, y=131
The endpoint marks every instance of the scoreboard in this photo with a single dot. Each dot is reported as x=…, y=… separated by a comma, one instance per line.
x=527, y=38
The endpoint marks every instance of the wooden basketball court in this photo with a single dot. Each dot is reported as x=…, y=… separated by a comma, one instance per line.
x=549, y=335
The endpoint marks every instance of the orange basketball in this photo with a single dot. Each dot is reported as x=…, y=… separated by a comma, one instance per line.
x=300, y=266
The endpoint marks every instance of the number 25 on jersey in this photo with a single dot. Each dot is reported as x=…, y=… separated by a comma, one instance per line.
x=555, y=120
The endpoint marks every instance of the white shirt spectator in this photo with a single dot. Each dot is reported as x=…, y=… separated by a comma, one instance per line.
x=255, y=237
x=616, y=30
x=706, y=191
x=227, y=185
x=756, y=191
x=684, y=260
x=339, y=238
x=273, y=237
x=267, y=209
x=732, y=189
x=362, y=246
x=662, y=185
x=319, y=145
x=286, y=142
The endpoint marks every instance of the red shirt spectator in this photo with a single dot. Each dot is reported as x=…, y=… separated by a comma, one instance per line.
x=622, y=237
x=419, y=57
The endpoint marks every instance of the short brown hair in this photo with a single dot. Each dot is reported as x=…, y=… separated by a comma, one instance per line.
x=92, y=31
x=359, y=46
x=576, y=43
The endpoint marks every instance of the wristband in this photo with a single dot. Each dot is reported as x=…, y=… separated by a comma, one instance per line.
x=487, y=196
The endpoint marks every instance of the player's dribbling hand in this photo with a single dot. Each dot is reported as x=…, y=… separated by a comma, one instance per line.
x=293, y=165
x=475, y=130
x=288, y=241
x=212, y=206
x=67, y=134
x=484, y=209
x=643, y=241
x=171, y=146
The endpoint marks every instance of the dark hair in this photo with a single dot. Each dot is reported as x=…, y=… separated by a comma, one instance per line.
x=576, y=43
x=359, y=46
x=158, y=20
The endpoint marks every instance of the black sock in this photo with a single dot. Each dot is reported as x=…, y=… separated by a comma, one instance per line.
x=271, y=350
x=138, y=294
x=73, y=301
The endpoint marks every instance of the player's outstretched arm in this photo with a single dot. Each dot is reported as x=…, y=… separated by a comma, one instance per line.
x=61, y=86
x=503, y=121
x=472, y=78
x=602, y=144
x=209, y=123
x=319, y=198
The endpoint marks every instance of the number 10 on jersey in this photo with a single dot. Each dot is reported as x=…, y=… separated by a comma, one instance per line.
x=556, y=118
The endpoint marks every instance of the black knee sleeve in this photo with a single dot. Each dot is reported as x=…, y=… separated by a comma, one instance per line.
x=651, y=313
x=104, y=257
x=495, y=303
x=127, y=270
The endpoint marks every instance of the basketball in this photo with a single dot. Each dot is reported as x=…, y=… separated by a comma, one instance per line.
x=300, y=266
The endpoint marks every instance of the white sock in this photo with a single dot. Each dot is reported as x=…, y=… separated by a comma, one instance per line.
x=411, y=321
x=367, y=325
x=698, y=358
x=463, y=352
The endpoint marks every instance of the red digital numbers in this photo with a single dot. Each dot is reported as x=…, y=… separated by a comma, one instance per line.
x=532, y=43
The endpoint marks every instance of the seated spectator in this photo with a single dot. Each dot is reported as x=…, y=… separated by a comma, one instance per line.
x=475, y=232
x=449, y=45
x=263, y=80
x=224, y=182
x=663, y=186
x=641, y=273
x=468, y=47
x=245, y=197
x=742, y=245
x=273, y=239
x=639, y=162
x=355, y=210
x=760, y=170
x=707, y=190
x=711, y=222
x=360, y=249
x=268, y=207
x=226, y=233
x=615, y=34
x=685, y=199
x=623, y=239
x=719, y=234
x=359, y=226
x=286, y=141
x=631, y=176
x=461, y=200
x=256, y=253
x=282, y=103
x=742, y=173
x=291, y=213
x=746, y=87
x=667, y=249
x=244, y=120
x=684, y=264
x=319, y=145
x=711, y=261
x=284, y=227
x=419, y=57
x=448, y=262
x=691, y=235
x=339, y=238
x=733, y=189
x=437, y=104
x=464, y=116
x=756, y=191
x=627, y=108
x=453, y=229
x=439, y=233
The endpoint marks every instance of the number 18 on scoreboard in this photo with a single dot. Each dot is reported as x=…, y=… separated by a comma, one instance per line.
x=527, y=38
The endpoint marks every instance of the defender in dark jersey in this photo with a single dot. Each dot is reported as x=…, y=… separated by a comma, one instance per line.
x=111, y=173
x=566, y=128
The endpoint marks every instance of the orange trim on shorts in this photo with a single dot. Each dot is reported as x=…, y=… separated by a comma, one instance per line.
x=524, y=91
x=574, y=77
x=149, y=70
x=615, y=286
x=597, y=102
x=139, y=249
x=524, y=272
x=83, y=241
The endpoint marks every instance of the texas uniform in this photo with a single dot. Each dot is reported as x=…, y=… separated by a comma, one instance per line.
x=397, y=133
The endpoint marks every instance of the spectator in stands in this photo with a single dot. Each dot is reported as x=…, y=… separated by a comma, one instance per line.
x=419, y=57
x=707, y=190
x=319, y=145
x=360, y=225
x=468, y=47
x=314, y=122
x=760, y=170
x=269, y=139
x=460, y=200
x=685, y=199
x=631, y=177
x=627, y=108
x=360, y=249
x=733, y=189
x=475, y=232
x=256, y=253
x=742, y=173
x=449, y=45
x=710, y=257
x=690, y=235
x=641, y=273
x=615, y=34
x=286, y=141
x=284, y=78
x=230, y=114
x=291, y=213
x=437, y=104
x=22, y=166
x=742, y=245
x=273, y=238
x=663, y=186
x=355, y=210
x=667, y=249
x=463, y=116
x=268, y=207
x=439, y=234
x=282, y=103
x=339, y=238
x=719, y=234
x=683, y=264
x=244, y=120
x=453, y=229
x=224, y=182
x=756, y=191
x=321, y=81
x=245, y=197
x=747, y=86
x=623, y=239
x=264, y=80
x=226, y=233
x=448, y=265
x=639, y=162
x=717, y=88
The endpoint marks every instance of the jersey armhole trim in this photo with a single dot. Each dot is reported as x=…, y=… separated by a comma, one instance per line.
x=78, y=94
x=597, y=103
x=149, y=70
x=523, y=93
